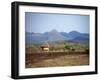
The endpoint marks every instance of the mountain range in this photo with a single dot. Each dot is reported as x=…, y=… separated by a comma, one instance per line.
x=54, y=35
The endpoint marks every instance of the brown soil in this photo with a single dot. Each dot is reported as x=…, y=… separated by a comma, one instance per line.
x=54, y=59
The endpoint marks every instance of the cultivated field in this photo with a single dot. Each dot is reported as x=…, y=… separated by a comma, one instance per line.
x=54, y=59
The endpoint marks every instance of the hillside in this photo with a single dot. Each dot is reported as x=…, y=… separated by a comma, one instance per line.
x=54, y=36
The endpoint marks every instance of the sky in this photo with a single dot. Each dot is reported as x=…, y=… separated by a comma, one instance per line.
x=45, y=22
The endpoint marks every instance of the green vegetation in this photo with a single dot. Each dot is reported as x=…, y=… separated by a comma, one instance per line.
x=58, y=47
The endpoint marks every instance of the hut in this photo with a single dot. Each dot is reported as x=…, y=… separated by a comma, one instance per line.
x=45, y=47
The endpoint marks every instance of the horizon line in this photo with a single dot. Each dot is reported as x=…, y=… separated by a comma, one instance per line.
x=58, y=31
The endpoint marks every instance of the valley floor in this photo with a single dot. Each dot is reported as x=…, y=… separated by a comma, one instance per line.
x=55, y=59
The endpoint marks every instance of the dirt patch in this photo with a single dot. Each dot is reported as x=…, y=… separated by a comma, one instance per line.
x=50, y=59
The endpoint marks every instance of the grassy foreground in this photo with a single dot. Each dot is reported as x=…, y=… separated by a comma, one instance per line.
x=55, y=59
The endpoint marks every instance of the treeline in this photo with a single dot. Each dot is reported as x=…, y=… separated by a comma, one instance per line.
x=59, y=47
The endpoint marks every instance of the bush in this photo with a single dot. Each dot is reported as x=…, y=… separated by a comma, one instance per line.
x=87, y=50
x=73, y=49
x=67, y=47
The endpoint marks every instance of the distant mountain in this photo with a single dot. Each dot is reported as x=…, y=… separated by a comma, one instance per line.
x=65, y=35
x=80, y=39
x=54, y=35
x=34, y=37
x=76, y=36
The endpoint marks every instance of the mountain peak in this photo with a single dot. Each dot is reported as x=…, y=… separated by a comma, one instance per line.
x=54, y=31
x=54, y=35
x=73, y=32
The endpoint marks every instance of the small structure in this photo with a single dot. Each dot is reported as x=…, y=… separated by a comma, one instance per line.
x=45, y=47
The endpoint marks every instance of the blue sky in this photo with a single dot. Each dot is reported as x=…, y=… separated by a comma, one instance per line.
x=44, y=22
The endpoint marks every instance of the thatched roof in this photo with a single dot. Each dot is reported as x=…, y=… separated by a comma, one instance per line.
x=45, y=45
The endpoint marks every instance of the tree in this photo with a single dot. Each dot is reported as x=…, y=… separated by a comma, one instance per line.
x=67, y=47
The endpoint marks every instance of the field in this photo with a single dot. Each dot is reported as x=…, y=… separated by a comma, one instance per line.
x=57, y=59
x=61, y=46
x=60, y=54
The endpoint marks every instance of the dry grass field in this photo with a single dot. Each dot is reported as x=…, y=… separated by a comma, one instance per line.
x=55, y=59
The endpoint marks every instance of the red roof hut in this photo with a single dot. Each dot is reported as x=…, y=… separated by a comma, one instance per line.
x=45, y=47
